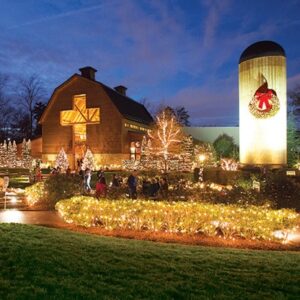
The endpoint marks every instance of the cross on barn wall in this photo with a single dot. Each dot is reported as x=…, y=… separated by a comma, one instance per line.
x=79, y=117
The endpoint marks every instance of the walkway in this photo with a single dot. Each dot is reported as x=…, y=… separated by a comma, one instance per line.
x=48, y=218
x=13, y=198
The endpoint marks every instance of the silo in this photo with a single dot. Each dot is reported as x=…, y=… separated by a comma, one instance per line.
x=263, y=105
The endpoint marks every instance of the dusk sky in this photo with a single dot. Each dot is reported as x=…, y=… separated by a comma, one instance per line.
x=177, y=52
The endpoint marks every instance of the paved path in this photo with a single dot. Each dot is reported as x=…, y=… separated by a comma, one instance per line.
x=12, y=199
x=50, y=218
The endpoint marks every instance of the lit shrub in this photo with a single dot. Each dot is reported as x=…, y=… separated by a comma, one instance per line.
x=229, y=221
x=35, y=193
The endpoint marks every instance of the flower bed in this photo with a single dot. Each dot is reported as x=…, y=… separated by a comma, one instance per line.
x=228, y=221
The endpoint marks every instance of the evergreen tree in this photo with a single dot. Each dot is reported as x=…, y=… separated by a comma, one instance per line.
x=5, y=161
x=225, y=147
x=10, y=155
x=293, y=141
x=187, y=153
x=62, y=160
x=26, y=154
x=88, y=160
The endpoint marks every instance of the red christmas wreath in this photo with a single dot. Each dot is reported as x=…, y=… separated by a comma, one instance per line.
x=265, y=103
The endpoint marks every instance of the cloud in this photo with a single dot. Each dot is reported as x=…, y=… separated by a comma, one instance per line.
x=294, y=81
x=216, y=10
x=61, y=15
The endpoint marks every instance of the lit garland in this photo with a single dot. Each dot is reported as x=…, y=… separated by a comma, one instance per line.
x=228, y=221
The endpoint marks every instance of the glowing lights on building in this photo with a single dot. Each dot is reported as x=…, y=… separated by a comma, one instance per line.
x=135, y=127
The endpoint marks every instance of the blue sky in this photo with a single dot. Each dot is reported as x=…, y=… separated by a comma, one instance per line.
x=179, y=52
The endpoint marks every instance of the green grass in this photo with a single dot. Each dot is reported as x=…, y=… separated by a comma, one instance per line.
x=44, y=263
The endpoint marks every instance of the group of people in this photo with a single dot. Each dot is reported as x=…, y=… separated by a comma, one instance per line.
x=151, y=188
x=101, y=186
x=155, y=188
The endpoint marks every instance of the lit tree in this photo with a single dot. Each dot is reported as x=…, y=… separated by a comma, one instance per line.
x=187, y=153
x=62, y=160
x=3, y=152
x=11, y=154
x=88, y=160
x=26, y=154
x=166, y=136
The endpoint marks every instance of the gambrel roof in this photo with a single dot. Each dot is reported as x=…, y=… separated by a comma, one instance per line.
x=129, y=108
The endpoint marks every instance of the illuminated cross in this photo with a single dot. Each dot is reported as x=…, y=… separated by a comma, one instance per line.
x=80, y=115
x=79, y=118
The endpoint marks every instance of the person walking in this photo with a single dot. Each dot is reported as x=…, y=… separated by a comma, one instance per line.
x=132, y=185
x=115, y=181
x=87, y=180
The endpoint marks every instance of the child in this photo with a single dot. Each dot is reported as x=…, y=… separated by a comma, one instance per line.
x=101, y=188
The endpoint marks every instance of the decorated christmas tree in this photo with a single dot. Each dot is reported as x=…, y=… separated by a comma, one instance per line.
x=26, y=154
x=62, y=160
x=88, y=160
x=11, y=158
x=3, y=151
x=187, y=154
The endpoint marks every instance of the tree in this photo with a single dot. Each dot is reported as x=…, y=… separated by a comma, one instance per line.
x=180, y=113
x=6, y=111
x=38, y=110
x=293, y=141
x=225, y=147
x=26, y=154
x=293, y=125
x=166, y=136
x=182, y=116
x=294, y=105
x=31, y=91
x=20, y=125
x=88, y=160
x=62, y=160
x=3, y=86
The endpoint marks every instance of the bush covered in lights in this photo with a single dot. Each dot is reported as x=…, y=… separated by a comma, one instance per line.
x=54, y=188
x=35, y=193
x=228, y=221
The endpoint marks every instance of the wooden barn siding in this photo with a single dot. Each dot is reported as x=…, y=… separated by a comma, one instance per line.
x=101, y=138
x=36, y=148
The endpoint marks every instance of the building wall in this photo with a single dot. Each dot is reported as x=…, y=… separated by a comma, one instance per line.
x=210, y=134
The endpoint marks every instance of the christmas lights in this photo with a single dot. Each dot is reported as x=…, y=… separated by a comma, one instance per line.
x=228, y=221
x=62, y=160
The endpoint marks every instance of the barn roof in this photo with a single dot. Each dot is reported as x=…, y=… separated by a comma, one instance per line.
x=129, y=108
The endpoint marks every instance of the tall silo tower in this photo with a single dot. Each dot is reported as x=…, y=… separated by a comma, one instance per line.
x=263, y=105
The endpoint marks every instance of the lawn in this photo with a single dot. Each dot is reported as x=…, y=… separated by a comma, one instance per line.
x=39, y=263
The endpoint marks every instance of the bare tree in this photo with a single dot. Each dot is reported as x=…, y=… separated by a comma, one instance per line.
x=166, y=136
x=31, y=91
x=179, y=112
x=3, y=86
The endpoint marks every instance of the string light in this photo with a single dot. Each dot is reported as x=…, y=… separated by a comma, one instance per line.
x=228, y=221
